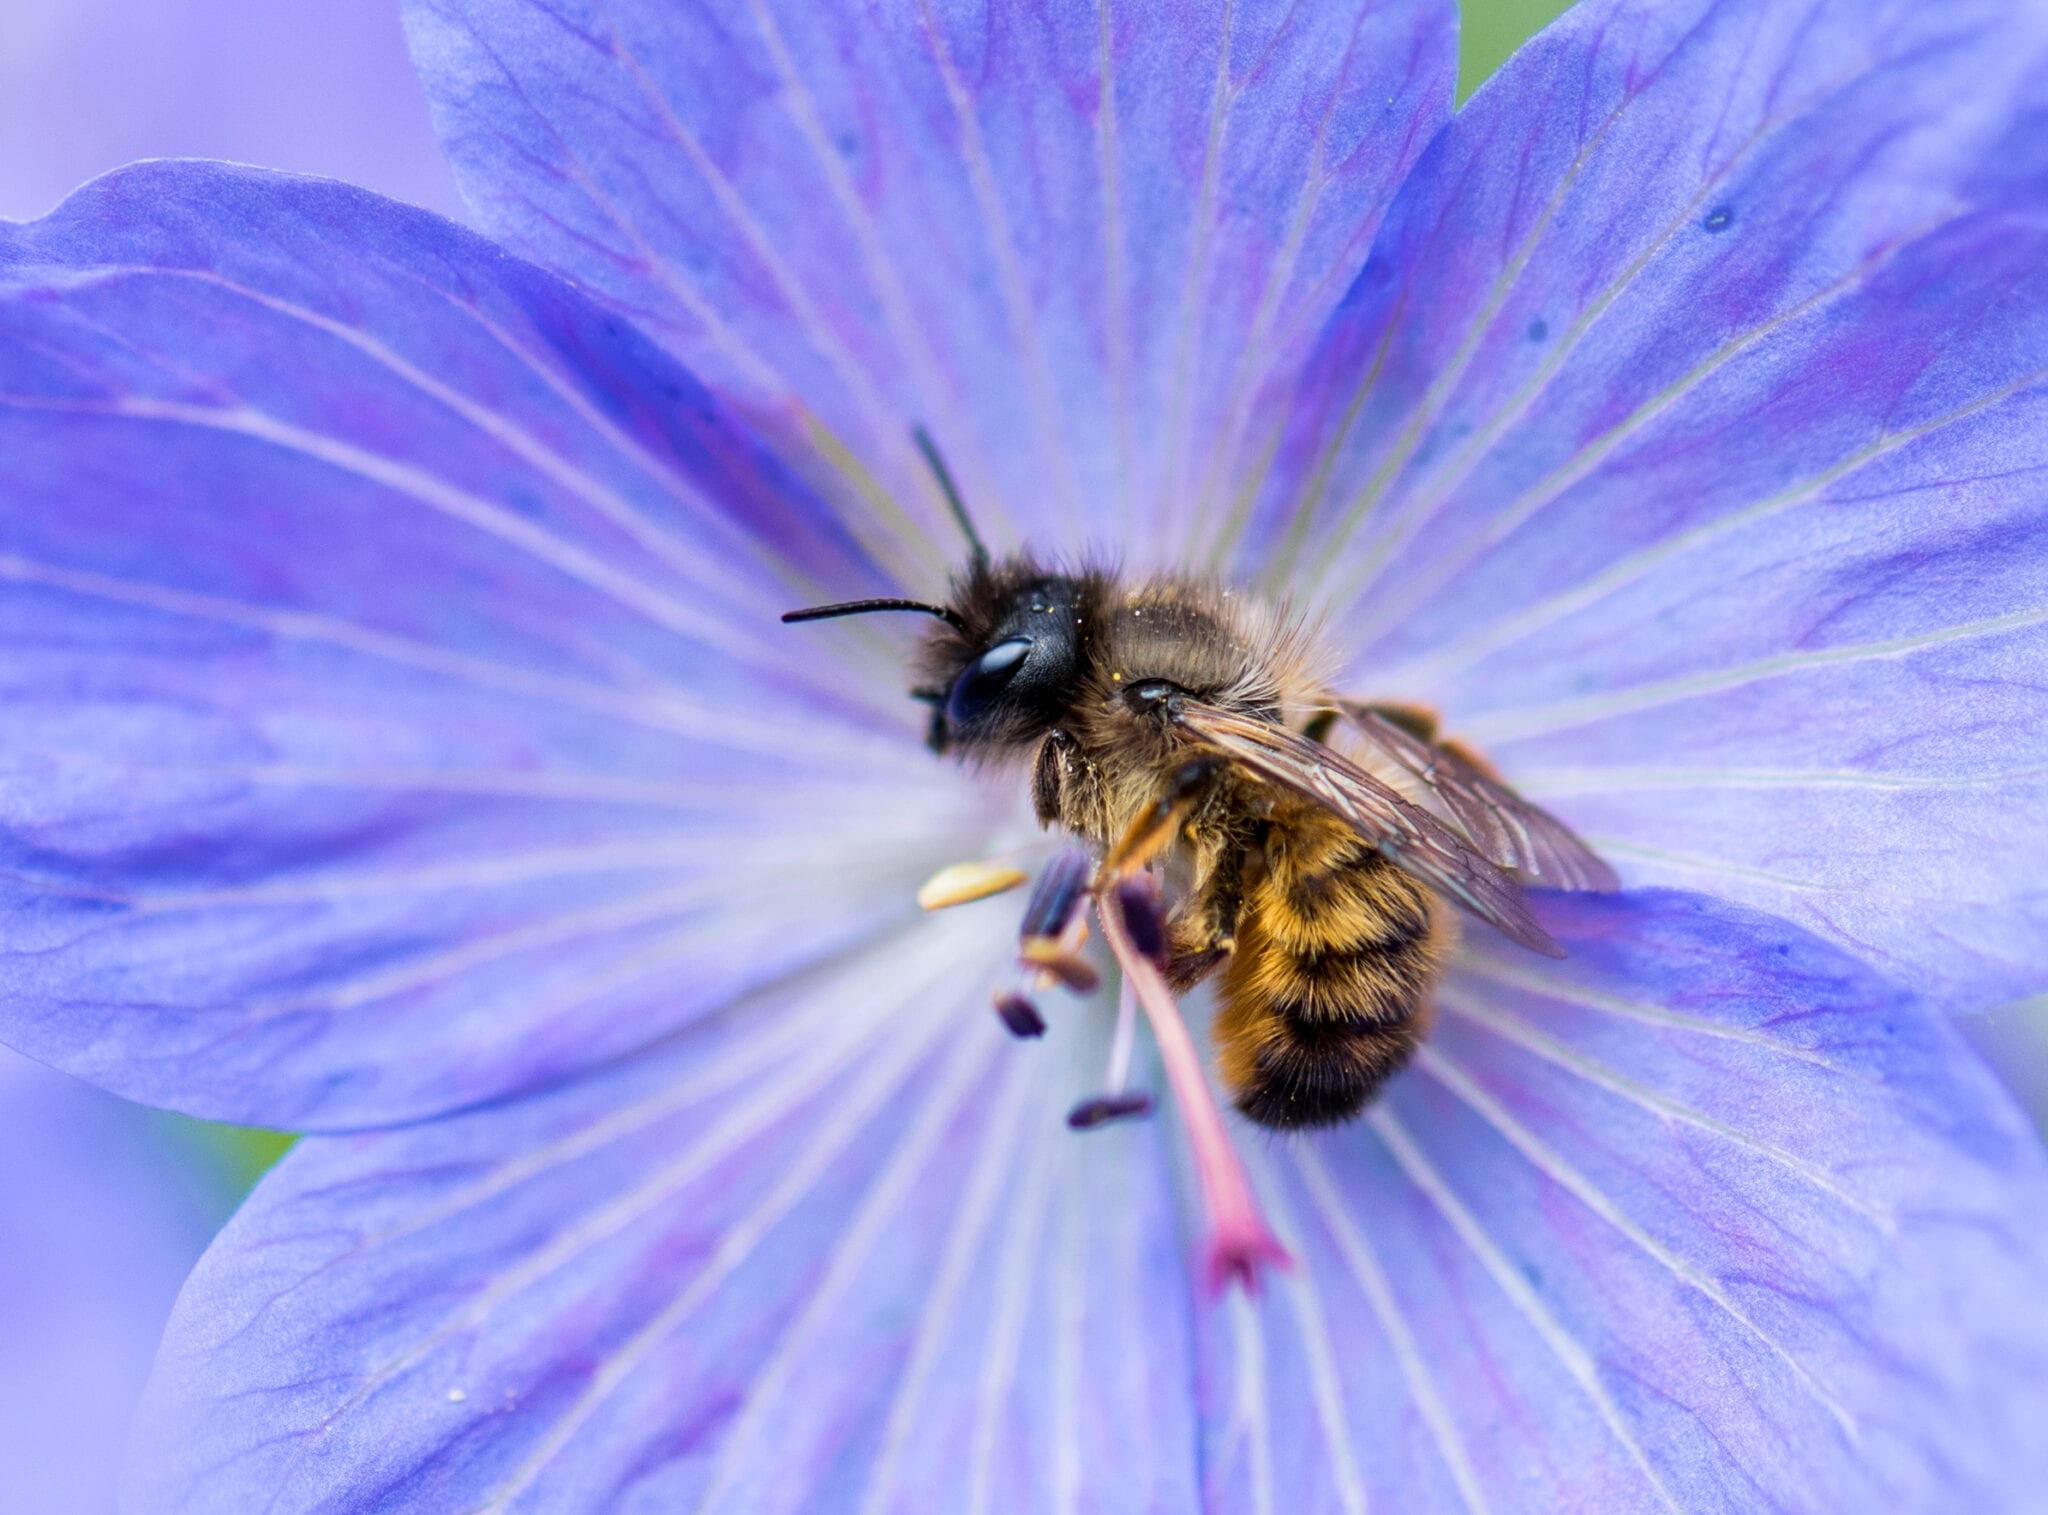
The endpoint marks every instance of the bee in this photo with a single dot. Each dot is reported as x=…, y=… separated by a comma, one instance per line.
x=1167, y=720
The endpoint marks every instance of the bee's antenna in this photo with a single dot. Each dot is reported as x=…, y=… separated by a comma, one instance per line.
x=864, y=607
x=979, y=551
x=951, y=491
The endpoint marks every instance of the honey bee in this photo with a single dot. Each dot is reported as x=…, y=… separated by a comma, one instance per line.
x=1168, y=720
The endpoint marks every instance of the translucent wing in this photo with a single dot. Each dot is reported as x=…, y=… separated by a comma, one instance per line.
x=1500, y=823
x=1405, y=833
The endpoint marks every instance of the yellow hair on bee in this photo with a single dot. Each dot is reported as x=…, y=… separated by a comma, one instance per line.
x=1327, y=992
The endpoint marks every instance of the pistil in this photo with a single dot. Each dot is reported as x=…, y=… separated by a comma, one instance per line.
x=1239, y=1242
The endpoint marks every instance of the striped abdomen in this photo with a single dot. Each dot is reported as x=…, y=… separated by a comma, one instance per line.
x=1327, y=993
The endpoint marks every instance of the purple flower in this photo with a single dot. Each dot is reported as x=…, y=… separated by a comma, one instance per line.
x=101, y=1215
x=402, y=745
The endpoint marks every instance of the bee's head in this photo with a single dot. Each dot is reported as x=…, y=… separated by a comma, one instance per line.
x=1008, y=670
x=1001, y=669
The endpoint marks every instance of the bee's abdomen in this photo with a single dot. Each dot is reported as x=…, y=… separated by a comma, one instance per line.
x=1326, y=995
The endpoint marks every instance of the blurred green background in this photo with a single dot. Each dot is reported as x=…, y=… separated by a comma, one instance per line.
x=239, y=1154
x=1490, y=30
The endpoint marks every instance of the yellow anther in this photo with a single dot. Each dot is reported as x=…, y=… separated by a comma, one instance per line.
x=959, y=883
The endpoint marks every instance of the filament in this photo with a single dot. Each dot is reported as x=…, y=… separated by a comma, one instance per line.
x=1123, y=1040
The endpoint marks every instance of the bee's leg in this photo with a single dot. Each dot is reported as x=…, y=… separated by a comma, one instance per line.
x=936, y=736
x=1052, y=776
x=1160, y=822
x=1419, y=721
x=1203, y=931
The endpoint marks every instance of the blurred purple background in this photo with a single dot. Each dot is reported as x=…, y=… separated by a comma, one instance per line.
x=104, y=1207
x=316, y=86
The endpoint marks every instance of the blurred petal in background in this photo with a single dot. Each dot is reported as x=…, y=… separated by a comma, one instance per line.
x=315, y=86
x=104, y=1207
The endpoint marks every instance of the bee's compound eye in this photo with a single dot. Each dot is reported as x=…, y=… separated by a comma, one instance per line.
x=984, y=679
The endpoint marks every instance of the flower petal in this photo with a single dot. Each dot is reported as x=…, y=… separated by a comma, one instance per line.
x=1070, y=240
x=397, y=711
x=101, y=1215
x=832, y=1251
x=1686, y=446
x=1706, y=1217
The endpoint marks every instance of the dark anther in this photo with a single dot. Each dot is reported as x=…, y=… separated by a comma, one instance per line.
x=1048, y=956
x=1104, y=1108
x=1141, y=918
x=1019, y=1016
x=1055, y=895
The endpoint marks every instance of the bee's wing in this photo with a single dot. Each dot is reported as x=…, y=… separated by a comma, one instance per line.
x=1408, y=835
x=1507, y=828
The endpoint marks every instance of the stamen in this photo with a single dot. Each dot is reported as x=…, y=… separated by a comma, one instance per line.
x=1054, y=927
x=1140, y=904
x=1055, y=960
x=1238, y=1242
x=1116, y=1104
x=1104, y=1108
x=1019, y=1016
x=959, y=883
x=1057, y=896
x=1125, y=1038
